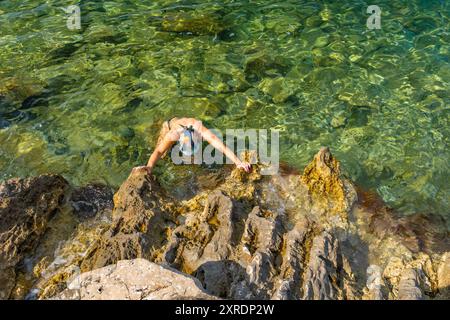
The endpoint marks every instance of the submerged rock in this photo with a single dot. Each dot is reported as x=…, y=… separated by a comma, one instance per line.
x=4, y=124
x=26, y=206
x=195, y=23
x=19, y=88
x=418, y=232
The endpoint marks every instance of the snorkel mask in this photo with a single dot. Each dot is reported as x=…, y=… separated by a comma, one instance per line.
x=188, y=141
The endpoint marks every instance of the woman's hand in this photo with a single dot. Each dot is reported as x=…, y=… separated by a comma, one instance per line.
x=247, y=167
x=145, y=169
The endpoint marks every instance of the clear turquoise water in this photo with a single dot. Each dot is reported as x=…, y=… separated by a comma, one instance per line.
x=87, y=104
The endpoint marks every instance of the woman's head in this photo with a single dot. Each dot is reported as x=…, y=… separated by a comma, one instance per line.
x=189, y=141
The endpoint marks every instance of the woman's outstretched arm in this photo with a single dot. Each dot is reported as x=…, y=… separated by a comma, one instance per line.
x=218, y=144
x=170, y=138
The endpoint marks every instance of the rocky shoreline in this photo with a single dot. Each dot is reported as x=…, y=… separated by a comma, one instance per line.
x=246, y=236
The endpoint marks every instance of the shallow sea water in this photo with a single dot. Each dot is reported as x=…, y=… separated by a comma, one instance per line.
x=88, y=103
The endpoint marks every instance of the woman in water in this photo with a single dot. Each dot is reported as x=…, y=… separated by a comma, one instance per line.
x=188, y=133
